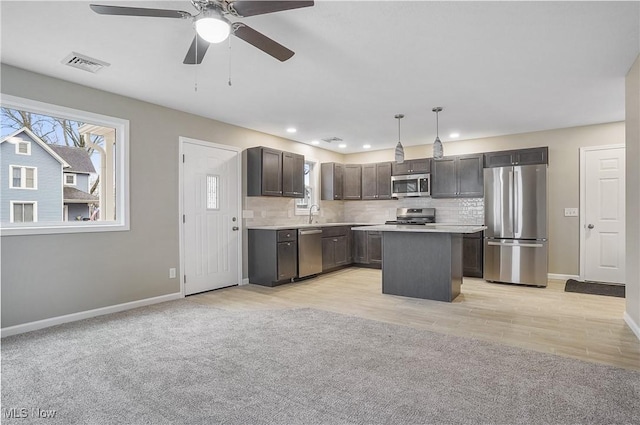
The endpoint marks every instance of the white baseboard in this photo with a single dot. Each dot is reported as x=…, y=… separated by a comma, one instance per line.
x=245, y=281
x=45, y=323
x=633, y=325
x=562, y=276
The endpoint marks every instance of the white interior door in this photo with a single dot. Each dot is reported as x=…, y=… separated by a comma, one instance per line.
x=211, y=216
x=603, y=212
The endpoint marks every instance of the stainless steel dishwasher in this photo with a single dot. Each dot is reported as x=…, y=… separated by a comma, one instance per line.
x=309, y=251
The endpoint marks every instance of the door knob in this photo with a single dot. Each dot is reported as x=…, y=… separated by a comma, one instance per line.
x=235, y=228
x=590, y=226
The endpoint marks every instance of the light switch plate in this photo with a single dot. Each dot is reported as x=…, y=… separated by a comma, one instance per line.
x=570, y=212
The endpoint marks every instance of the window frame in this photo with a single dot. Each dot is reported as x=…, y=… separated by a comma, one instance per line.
x=314, y=179
x=121, y=160
x=23, y=142
x=35, y=210
x=64, y=179
x=23, y=177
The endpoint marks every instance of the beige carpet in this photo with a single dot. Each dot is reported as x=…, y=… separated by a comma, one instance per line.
x=180, y=363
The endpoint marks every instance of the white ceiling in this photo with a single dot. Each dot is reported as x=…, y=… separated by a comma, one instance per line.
x=496, y=67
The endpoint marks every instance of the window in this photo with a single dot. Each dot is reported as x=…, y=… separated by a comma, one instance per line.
x=63, y=133
x=302, y=205
x=22, y=177
x=69, y=179
x=23, y=148
x=23, y=212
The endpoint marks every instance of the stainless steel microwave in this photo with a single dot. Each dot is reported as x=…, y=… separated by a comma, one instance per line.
x=411, y=185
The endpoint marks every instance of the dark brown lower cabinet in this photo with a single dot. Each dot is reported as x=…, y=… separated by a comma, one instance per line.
x=336, y=249
x=273, y=256
x=472, y=254
x=367, y=248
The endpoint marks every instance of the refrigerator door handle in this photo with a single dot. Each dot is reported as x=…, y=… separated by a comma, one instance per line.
x=511, y=202
x=525, y=245
x=516, y=204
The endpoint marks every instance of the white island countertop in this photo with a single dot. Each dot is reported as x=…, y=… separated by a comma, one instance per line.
x=425, y=228
x=304, y=226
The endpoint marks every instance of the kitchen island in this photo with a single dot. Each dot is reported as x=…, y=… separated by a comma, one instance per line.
x=423, y=261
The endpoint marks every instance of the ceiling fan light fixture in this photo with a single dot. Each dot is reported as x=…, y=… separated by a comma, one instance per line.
x=211, y=27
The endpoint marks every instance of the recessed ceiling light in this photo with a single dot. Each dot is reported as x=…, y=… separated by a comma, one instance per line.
x=454, y=135
x=342, y=145
x=315, y=142
x=291, y=130
x=366, y=146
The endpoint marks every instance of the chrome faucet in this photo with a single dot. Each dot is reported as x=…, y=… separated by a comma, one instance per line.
x=311, y=211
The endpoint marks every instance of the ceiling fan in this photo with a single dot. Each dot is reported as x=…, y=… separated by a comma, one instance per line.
x=212, y=25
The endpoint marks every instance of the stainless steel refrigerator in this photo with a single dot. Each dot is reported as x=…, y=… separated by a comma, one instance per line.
x=515, y=243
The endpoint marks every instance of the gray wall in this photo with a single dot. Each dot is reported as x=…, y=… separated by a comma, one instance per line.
x=633, y=194
x=48, y=181
x=563, y=176
x=115, y=267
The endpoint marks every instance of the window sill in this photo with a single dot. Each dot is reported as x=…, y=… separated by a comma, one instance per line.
x=79, y=227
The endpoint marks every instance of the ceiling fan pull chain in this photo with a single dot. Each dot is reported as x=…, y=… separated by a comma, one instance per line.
x=229, y=61
x=195, y=86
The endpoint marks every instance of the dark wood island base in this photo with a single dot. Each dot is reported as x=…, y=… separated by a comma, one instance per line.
x=422, y=265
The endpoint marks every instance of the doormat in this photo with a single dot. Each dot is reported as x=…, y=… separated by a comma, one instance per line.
x=609, y=290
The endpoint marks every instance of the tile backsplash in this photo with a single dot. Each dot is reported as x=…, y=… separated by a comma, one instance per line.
x=280, y=211
x=459, y=211
x=274, y=211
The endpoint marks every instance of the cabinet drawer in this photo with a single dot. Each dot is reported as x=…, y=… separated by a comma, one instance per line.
x=287, y=235
x=328, y=232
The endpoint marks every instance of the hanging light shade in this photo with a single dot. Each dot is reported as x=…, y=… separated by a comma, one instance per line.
x=399, y=148
x=438, y=152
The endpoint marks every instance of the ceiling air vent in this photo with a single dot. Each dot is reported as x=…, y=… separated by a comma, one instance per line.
x=332, y=139
x=83, y=62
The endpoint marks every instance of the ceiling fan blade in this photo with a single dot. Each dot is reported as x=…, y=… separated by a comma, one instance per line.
x=138, y=11
x=262, y=42
x=199, y=45
x=252, y=8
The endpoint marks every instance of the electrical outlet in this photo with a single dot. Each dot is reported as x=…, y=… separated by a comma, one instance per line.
x=570, y=212
x=172, y=273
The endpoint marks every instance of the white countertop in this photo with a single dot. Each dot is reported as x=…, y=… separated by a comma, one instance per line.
x=304, y=226
x=427, y=228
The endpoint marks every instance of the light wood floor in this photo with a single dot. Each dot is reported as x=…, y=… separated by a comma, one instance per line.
x=587, y=327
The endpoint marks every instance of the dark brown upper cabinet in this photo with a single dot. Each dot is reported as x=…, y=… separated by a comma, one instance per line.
x=331, y=181
x=352, y=183
x=271, y=172
x=517, y=157
x=376, y=180
x=411, y=166
x=292, y=175
x=457, y=177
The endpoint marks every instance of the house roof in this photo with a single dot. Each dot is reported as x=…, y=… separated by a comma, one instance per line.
x=78, y=158
x=73, y=195
x=47, y=147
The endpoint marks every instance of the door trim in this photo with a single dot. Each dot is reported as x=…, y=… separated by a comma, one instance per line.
x=583, y=191
x=181, y=142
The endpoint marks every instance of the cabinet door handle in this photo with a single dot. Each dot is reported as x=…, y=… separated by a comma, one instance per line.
x=335, y=240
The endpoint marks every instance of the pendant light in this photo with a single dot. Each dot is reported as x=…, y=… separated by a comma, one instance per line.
x=437, y=145
x=399, y=148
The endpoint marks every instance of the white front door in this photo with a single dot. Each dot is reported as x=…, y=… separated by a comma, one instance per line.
x=211, y=216
x=603, y=214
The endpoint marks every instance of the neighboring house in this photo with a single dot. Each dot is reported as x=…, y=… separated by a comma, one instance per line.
x=75, y=180
x=46, y=183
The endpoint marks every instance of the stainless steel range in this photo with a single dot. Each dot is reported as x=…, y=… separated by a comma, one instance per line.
x=419, y=216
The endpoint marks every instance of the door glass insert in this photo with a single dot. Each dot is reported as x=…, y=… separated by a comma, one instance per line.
x=213, y=192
